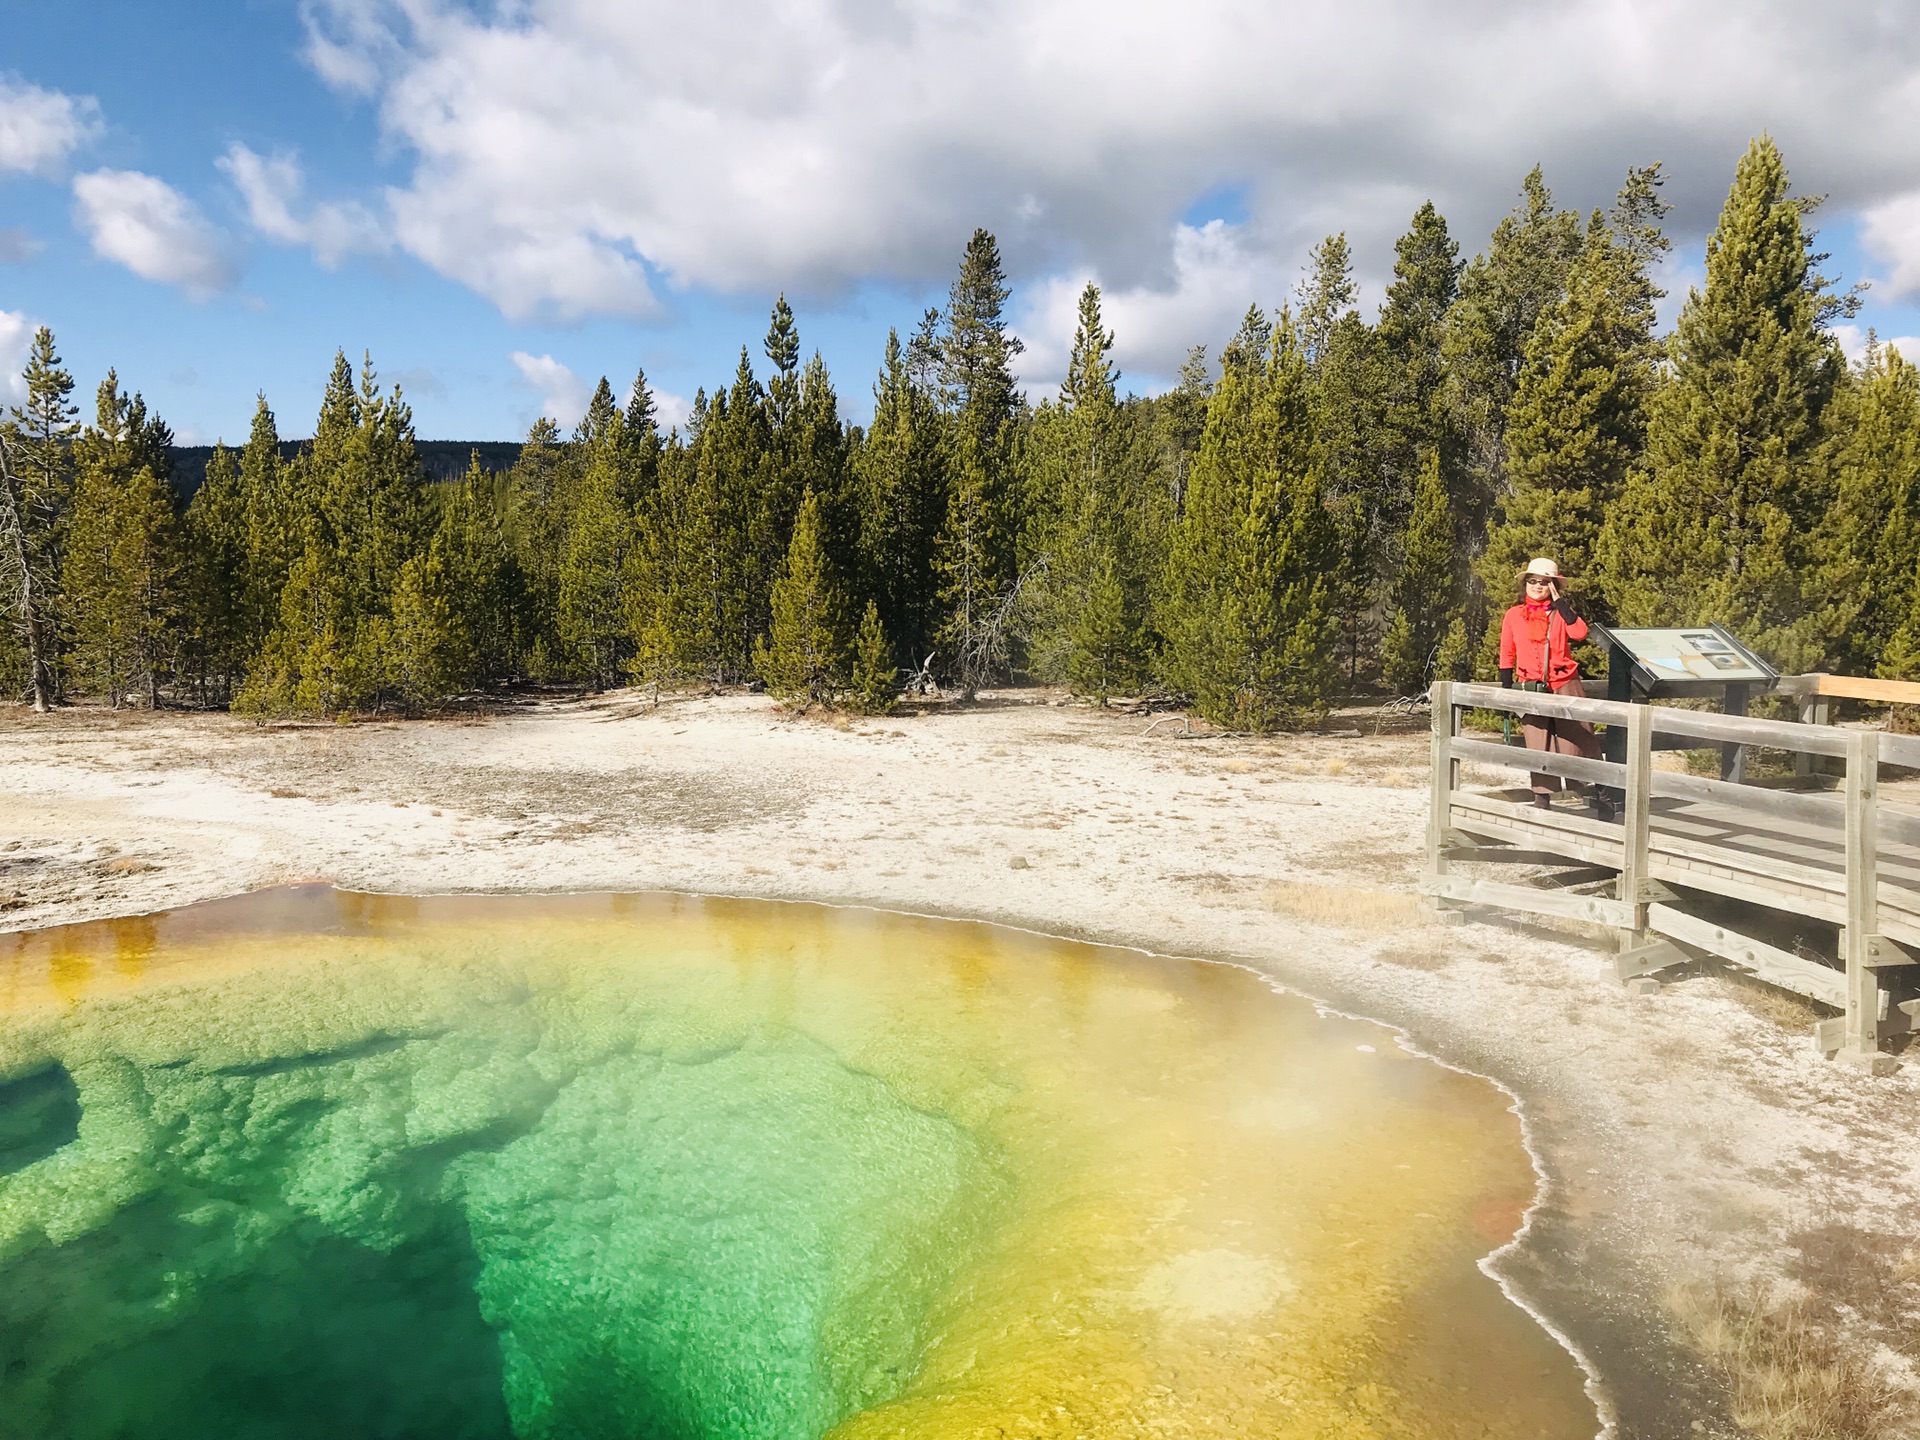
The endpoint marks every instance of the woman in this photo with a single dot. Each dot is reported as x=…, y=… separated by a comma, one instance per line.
x=1535, y=641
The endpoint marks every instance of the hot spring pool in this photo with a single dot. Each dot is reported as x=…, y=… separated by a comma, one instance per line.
x=314, y=1164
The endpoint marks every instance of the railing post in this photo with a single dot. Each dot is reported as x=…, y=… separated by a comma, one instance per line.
x=1861, y=1043
x=1441, y=784
x=1637, y=821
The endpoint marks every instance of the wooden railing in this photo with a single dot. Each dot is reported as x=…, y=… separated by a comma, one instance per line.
x=1649, y=917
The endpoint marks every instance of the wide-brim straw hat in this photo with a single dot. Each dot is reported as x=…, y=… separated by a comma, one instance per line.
x=1541, y=565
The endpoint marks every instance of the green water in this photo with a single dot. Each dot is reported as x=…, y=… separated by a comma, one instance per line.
x=313, y=1164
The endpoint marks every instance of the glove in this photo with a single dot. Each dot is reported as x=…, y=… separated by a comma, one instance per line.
x=1506, y=677
x=1563, y=607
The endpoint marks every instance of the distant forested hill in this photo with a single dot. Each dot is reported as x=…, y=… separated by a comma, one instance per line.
x=441, y=459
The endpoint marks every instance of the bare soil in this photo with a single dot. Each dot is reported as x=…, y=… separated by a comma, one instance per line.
x=1690, y=1138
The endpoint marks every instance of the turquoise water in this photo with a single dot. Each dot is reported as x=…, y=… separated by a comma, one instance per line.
x=313, y=1164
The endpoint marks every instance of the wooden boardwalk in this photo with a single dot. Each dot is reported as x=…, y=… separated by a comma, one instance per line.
x=1840, y=857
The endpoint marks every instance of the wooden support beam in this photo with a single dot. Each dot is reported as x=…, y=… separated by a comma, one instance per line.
x=1862, y=1044
x=1441, y=780
x=1884, y=953
x=1768, y=962
x=1546, y=762
x=1638, y=960
x=1595, y=908
x=1636, y=820
x=1778, y=804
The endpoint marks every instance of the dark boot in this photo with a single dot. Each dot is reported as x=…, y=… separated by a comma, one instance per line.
x=1604, y=810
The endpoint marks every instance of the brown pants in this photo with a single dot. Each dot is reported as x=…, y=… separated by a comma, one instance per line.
x=1566, y=737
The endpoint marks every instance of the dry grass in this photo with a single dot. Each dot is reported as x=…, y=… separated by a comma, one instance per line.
x=1348, y=907
x=1335, y=766
x=1238, y=767
x=1768, y=1002
x=1792, y=1374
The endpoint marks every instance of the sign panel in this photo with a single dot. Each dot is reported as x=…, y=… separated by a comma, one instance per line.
x=1705, y=653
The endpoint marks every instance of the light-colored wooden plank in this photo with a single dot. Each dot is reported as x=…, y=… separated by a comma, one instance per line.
x=1571, y=767
x=1779, y=804
x=1901, y=750
x=1639, y=960
x=1441, y=779
x=1636, y=817
x=1885, y=953
x=1745, y=730
x=1850, y=687
x=1596, y=908
x=1769, y=962
x=1863, y=896
x=1539, y=702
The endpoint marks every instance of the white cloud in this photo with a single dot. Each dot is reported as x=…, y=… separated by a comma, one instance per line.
x=16, y=338
x=570, y=155
x=40, y=128
x=146, y=225
x=1891, y=232
x=273, y=187
x=670, y=411
x=563, y=394
x=1853, y=340
x=1214, y=279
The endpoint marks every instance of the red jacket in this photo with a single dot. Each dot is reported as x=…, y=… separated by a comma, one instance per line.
x=1523, y=654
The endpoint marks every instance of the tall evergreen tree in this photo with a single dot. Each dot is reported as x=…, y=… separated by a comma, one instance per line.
x=1426, y=629
x=1722, y=523
x=978, y=544
x=220, y=640
x=121, y=573
x=1089, y=526
x=900, y=479
x=1872, y=534
x=1503, y=293
x=36, y=484
x=1245, y=600
x=1577, y=424
x=807, y=654
x=475, y=552
x=588, y=613
x=275, y=522
x=1326, y=296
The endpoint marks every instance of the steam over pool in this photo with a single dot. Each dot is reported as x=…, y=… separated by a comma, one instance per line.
x=312, y=1164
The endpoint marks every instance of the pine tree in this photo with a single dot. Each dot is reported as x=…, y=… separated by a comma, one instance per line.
x=978, y=542
x=1425, y=635
x=1245, y=599
x=1410, y=352
x=808, y=653
x=221, y=640
x=588, y=613
x=1326, y=296
x=275, y=526
x=1503, y=293
x=1086, y=516
x=475, y=551
x=1871, y=540
x=36, y=483
x=429, y=651
x=900, y=480
x=1577, y=423
x=1722, y=524
x=122, y=562
x=362, y=518
x=876, y=679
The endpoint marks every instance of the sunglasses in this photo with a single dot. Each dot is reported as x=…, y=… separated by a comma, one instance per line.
x=1539, y=580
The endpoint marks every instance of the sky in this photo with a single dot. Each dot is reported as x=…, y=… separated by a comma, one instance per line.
x=500, y=202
